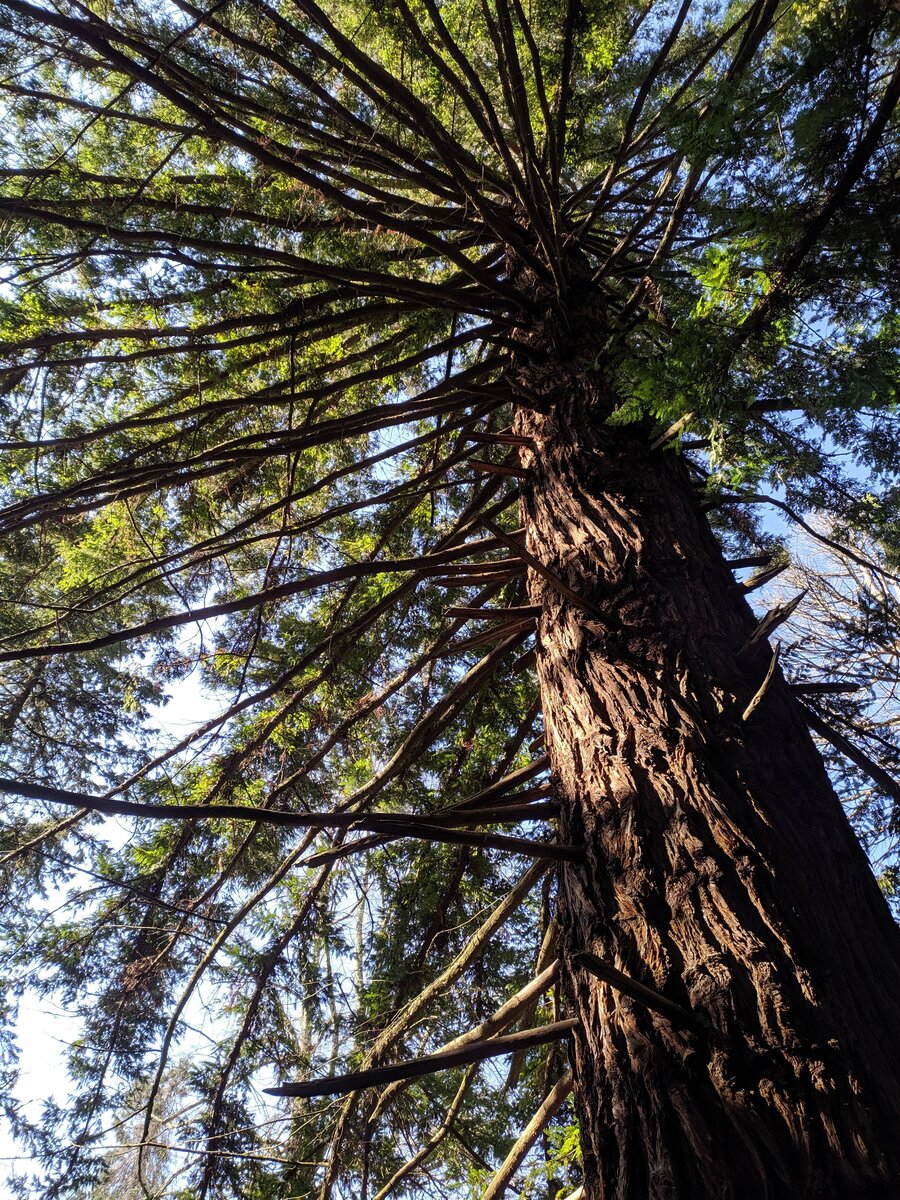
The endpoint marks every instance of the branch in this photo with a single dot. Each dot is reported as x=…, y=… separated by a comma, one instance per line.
x=510, y=1011
x=512, y=615
x=838, y=547
x=763, y=687
x=761, y=578
x=434, y=1141
x=850, y=750
x=853, y=172
x=545, y=572
x=634, y=990
x=507, y=783
x=548, y=950
x=240, y=604
x=340, y=1085
x=552, y=1103
x=825, y=689
x=404, y=1019
x=395, y=825
x=771, y=621
x=750, y=560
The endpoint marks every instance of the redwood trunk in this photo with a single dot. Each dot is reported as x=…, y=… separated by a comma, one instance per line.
x=720, y=867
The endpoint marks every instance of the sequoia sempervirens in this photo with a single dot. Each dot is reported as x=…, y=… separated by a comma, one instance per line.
x=400, y=391
x=716, y=851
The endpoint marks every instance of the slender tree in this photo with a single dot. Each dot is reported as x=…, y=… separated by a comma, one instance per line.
x=418, y=378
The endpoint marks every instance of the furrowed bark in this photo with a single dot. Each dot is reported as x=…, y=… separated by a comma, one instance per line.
x=721, y=870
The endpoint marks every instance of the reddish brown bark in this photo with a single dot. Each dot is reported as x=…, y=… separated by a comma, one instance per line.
x=721, y=869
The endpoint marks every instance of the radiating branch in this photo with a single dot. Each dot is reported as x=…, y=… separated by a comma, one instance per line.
x=633, y=989
x=340, y=1085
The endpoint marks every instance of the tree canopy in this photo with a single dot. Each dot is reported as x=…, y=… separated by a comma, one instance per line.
x=266, y=269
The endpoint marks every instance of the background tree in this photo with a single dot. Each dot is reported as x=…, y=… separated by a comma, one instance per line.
x=404, y=373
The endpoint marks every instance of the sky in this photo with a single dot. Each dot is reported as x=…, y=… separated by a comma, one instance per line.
x=45, y=1030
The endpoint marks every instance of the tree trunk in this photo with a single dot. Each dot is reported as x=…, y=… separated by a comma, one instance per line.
x=720, y=867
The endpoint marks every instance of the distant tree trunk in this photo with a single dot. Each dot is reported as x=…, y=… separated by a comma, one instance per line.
x=721, y=869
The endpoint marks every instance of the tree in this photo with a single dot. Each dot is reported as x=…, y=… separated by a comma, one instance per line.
x=418, y=376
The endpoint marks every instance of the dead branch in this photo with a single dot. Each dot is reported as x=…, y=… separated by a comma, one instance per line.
x=529, y=1135
x=340, y=1085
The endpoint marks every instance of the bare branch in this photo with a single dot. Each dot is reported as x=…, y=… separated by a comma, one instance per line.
x=340, y=1085
x=529, y=1135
